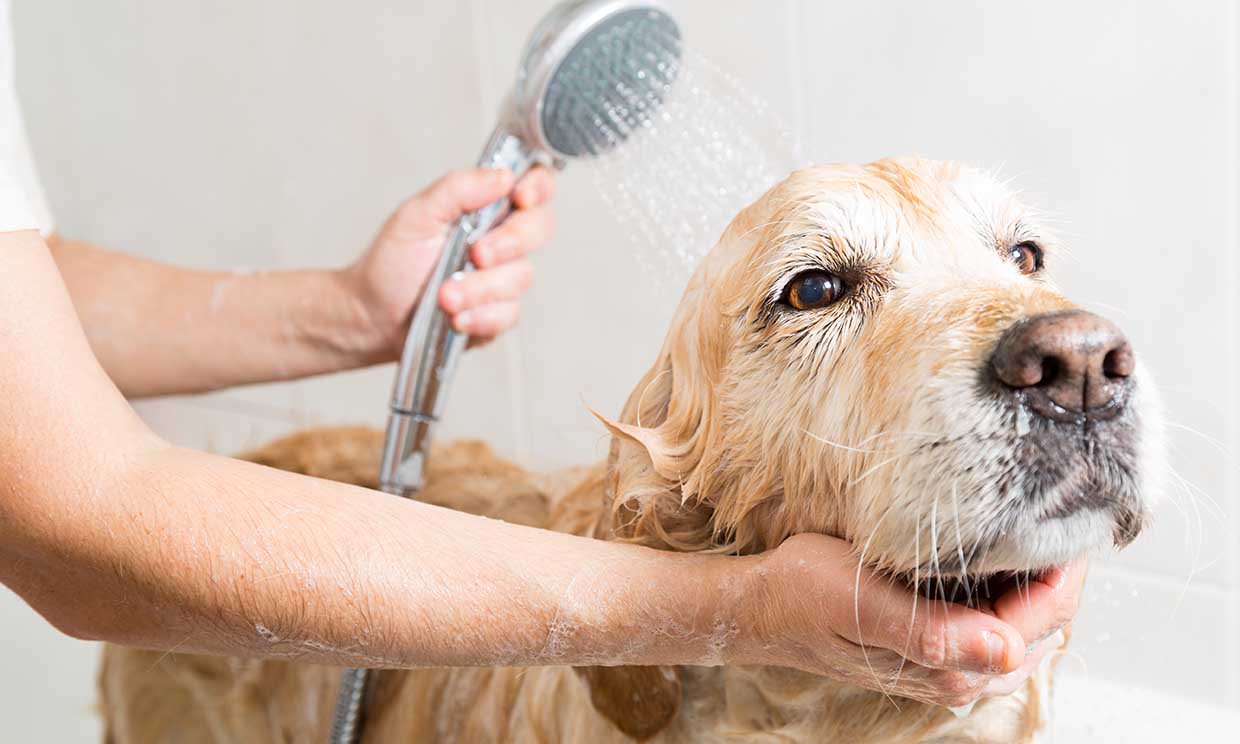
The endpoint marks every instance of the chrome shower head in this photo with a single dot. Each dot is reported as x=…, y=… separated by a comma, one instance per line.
x=592, y=72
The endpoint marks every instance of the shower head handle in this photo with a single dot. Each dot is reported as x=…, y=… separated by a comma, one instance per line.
x=432, y=347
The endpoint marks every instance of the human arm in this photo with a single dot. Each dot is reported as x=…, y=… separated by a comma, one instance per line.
x=159, y=329
x=112, y=534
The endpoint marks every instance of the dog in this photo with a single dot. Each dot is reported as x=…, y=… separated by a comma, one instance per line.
x=870, y=352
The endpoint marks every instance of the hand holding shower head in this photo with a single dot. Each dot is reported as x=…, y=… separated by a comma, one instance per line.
x=592, y=73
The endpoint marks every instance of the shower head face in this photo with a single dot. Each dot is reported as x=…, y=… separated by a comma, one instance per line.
x=594, y=73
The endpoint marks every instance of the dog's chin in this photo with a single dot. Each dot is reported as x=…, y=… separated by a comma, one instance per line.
x=1022, y=554
x=1029, y=544
x=1032, y=543
x=1077, y=491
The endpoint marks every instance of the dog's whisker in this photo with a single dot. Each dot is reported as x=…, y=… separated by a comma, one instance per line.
x=1219, y=447
x=857, y=608
x=964, y=565
x=876, y=468
x=912, y=621
x=934, y=545
x=1195, y=547
x=837, y=445
x=1216, y=509
x=1194, y=497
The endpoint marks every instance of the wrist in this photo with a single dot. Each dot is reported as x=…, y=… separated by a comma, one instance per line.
x=743, y=589
x=690, y=608
x=357, y=333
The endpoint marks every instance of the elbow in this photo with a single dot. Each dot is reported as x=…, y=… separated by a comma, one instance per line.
x=77, y=628
x=80, y=613
x=79, y=620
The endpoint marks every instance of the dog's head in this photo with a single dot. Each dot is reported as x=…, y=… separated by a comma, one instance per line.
x=876, y=353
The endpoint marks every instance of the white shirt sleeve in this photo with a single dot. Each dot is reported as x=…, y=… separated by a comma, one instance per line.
x=22, y=203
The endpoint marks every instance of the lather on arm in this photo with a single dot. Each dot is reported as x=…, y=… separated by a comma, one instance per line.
x=112, y=534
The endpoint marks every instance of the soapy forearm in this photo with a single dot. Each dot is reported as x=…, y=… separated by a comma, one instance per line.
x=205, y=554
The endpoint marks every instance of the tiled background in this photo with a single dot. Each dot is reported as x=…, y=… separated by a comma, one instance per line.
x=278, y=133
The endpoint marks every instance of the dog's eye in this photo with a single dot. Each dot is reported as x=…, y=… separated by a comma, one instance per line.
x=1027, y=256
x=814, y=289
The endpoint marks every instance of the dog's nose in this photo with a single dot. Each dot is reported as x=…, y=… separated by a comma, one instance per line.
x=1066, y=363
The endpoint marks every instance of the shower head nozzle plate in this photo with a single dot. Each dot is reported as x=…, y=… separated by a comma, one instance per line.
x=594, y=72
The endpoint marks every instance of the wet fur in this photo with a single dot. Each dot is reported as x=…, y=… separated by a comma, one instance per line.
x=754, y=423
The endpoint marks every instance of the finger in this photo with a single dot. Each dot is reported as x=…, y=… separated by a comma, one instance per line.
x=1008, y=683
x=470, y=290
x=535, y=188
x=522, y=232
x=488, y=321
x=932, y=633
x=1043, y=606
x=954, y=689
x=463, y=191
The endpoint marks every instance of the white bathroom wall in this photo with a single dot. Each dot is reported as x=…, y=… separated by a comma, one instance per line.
x=278, y=133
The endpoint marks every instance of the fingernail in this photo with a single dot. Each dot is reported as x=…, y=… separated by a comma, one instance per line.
x=462, y=321
x=996, y=652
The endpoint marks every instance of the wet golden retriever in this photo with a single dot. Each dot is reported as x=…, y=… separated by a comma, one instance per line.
x=867, y=350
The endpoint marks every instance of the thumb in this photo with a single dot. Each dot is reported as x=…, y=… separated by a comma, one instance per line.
x=930, y=633
x=464, y=191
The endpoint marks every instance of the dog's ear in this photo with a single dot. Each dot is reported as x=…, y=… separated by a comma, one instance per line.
x=651, y=485
x=640, y=700
x=664, y=475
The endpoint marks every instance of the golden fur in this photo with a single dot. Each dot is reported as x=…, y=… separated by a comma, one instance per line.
x=752, y=425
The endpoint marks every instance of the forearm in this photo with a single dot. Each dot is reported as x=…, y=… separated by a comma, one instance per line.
x=158, y=329
x=205, y=554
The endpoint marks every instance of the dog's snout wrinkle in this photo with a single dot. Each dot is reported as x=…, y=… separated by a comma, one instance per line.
x=1066, y=364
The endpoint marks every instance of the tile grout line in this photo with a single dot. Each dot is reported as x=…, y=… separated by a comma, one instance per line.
x=1232, y=268
x=795, y=18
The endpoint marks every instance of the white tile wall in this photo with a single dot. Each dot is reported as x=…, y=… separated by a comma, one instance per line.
x=279, y=133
